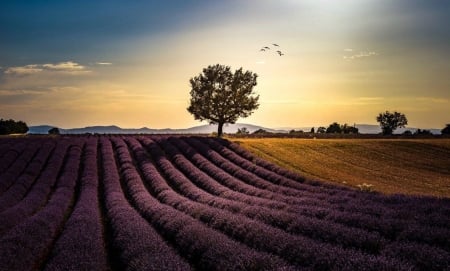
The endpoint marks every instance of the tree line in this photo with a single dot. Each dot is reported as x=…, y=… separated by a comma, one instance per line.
x=11, y=126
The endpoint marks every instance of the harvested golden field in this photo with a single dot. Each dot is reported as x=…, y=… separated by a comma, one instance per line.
x=409, y=166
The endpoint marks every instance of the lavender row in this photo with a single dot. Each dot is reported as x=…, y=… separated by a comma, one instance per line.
x=206, y=248
x=272, y=167
x=298, y=250
x=39, y=193
x=230, y=180
x=254, y=166
x=406, y=218
x=185, y=186
x=400, y=227
x=25, y=247
x=422, y=204
x=80, y=245
x=5, y=144
x=329, y=194
x=393, y=228
x=22, y=184
x=13, y=171
x=294, y=196
x=213, y=180
x=349, y=236
x=312, y=227
x=375, y=205
x=10, y=154
x=137, y=245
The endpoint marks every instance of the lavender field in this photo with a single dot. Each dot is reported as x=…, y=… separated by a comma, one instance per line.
x=198, y=203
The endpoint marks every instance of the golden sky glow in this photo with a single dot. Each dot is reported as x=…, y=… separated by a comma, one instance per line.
x=344, y=61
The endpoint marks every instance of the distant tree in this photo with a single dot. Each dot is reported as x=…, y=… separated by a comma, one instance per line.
x=347, y=129
x=53, y=131
x=422, y=132
x=12, y=127
x=296, y=132
x=312, y=130
x=220, y=96
x=242, y=131
x=391, y=121
x=407, y=132
x=334, y=128
x=321, y=130
x=260, y=131
x=446, y=130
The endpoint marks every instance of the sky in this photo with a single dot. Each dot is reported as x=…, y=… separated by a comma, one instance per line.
x=128, y=63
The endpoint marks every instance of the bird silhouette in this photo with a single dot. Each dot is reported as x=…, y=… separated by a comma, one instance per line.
x=265, y=47
x=280, y=53
x=274, y=44
x=263, y=50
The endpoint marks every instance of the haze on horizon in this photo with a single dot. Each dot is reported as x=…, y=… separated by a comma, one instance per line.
x=83, y=63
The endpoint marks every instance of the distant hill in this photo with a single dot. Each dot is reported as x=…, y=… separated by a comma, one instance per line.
x=40, y=129
x=201, y=129
x=112, y=129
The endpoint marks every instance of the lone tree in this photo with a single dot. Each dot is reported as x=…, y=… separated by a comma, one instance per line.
x=220, y=96
x=391, y=121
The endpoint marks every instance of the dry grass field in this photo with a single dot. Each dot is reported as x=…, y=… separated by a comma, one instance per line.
x=409, y=166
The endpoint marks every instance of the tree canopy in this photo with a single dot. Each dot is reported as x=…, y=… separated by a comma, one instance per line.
x=389, y=122
x=11, y=126
x=336, y=128
x=220, y=96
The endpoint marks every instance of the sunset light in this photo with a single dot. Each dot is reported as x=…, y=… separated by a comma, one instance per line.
x=74, y=64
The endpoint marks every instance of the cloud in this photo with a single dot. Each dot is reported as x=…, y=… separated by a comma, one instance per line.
x=68, y=67
x=24, y=70
x=65, y=66
x=348, y=50
x=103, y=63
x=360, y=55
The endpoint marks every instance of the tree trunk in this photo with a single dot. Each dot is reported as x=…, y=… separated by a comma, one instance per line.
x=220, y=129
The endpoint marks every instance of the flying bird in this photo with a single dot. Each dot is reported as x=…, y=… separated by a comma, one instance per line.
x=280, y=53
x=274, y=44
x=262, y=49
x=265, y=47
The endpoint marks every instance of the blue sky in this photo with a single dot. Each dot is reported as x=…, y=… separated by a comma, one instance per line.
x=78, y=63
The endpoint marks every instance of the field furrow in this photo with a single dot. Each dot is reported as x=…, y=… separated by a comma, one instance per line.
x=154, y=202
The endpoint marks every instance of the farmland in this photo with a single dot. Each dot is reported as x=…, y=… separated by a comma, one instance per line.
x=409, y=166
x=199, y=203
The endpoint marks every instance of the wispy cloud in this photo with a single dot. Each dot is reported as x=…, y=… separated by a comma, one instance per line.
x=360, y=55
x=65, y=66
x=103, y=63
x=68, y=67
x=24, y=70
